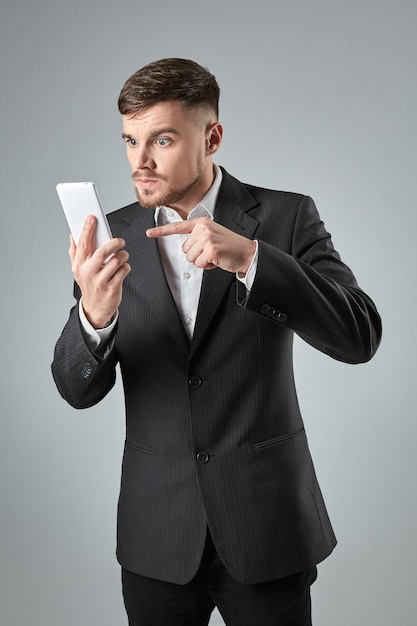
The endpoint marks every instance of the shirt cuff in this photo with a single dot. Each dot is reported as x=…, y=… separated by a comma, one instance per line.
x=249, y=277
x=95, y=337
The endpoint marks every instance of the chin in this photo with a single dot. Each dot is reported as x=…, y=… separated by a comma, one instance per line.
x=146, y=201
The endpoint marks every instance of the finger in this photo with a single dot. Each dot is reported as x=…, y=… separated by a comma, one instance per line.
x=85, y=241
x=122, y=272
x=114, y=271
x=205, y=262
x=72, y=249
x=108, y=249
x=112, y=265
x=176, y=228
x=191, y=247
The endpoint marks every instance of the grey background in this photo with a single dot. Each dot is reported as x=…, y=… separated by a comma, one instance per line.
x=317, y=97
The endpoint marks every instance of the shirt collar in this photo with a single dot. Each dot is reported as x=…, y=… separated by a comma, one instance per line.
x=205, y=207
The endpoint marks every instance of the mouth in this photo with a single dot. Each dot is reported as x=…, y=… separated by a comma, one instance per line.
x=145, y=182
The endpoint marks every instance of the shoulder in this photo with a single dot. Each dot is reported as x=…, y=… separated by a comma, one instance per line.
x=262, y=202
x=233, y=186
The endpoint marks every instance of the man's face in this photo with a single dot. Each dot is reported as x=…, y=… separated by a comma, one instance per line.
x=169, y=147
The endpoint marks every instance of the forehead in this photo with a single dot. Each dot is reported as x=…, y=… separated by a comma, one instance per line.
x=163, y=115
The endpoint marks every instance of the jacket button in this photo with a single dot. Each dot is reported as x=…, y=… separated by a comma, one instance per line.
x=195, y=381
x=202, y=457
x=265, y=309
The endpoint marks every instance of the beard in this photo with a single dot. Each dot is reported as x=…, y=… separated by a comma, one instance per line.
x=151, y=199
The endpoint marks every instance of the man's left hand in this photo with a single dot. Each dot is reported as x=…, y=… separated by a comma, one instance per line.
x=210, y=245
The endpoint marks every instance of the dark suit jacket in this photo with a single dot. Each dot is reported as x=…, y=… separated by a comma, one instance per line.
x=214, y=432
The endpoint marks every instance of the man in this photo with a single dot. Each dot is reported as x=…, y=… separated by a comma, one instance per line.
x=209, y=280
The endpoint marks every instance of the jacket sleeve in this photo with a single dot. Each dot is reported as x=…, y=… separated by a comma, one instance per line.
x=82, y=377
x=311, y=291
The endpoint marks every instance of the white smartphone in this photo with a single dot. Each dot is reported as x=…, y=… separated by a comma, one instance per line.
x=79, y=200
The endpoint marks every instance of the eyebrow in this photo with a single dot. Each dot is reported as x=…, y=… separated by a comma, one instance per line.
x=155, y=133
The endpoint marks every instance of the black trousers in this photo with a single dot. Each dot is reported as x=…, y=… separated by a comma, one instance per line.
x=282, y=602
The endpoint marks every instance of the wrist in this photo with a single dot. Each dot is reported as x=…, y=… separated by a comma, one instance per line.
x=99, y=322
x=252, y=250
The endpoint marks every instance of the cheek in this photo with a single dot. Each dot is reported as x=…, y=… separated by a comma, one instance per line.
x=177, y=164
x=192, y=160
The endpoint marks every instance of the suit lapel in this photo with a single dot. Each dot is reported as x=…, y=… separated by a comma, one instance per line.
x=148, y=272
x=231, y=211
x=232, y=208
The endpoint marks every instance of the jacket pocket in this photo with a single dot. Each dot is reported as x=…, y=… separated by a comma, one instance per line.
x=141, y=448
x=269, y=443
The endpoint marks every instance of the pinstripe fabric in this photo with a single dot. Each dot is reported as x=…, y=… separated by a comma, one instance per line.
x=229, y=393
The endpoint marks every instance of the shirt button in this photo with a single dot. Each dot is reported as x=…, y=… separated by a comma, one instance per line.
x=170, y=213
x=202, y=457
x=186, y=275
x=195, y=381
x=188, y=320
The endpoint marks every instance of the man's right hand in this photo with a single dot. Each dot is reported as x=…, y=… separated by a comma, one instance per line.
x=101, y=282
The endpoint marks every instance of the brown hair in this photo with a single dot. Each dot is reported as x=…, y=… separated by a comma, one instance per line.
x=166, y=80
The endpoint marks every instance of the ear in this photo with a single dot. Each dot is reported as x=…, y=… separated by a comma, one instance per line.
x=214, y=136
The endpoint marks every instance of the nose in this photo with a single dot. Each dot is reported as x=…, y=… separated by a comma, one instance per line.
x=142, y=158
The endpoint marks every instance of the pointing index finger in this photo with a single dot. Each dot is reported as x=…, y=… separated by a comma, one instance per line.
x=176, y=228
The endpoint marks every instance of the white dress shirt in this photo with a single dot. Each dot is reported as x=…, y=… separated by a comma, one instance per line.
x=184, y=278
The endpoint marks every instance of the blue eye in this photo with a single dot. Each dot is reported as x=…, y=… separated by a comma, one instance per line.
x=130, y=141
x=162, y=141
